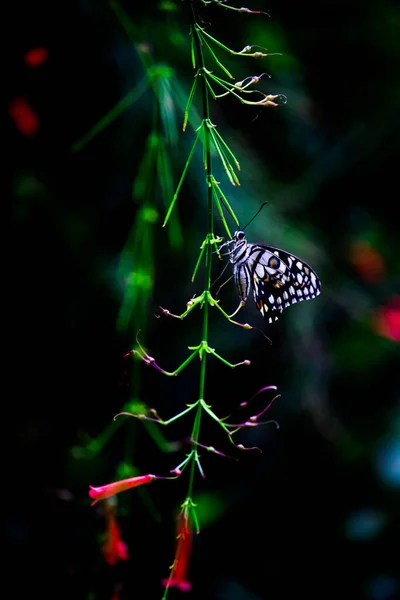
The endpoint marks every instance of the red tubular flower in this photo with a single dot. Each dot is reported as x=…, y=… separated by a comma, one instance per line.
x=114, y=548
x=178, y=576
x=106, y=491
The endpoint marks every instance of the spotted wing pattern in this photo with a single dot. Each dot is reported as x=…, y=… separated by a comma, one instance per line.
x=278, y=279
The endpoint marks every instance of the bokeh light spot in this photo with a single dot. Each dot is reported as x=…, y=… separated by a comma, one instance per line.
x=368, y=262
x=386, y=320
x=35, y=57
x=24, y=117
x=383, y=587
x=364, y=524
x=387, y=462
x=210, y=506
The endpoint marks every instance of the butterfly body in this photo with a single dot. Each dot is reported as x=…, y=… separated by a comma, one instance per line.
x=278, y=279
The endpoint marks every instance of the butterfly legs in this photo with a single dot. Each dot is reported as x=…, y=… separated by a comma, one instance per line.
x=241, y=304
x=230, y=317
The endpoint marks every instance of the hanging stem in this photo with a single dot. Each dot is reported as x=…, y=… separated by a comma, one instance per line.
x=208, y=249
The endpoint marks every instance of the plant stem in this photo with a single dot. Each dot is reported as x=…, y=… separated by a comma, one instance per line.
x=208, y=249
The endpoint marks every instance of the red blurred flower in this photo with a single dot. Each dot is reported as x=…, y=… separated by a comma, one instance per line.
x=106, y=491
x=114, y=548
x=367, y=260
x=117, y=590
x=35, y=57
x=24, y=117
x=386, y=321
x=178, y=576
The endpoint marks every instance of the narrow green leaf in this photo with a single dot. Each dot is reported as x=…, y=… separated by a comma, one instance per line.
x=203, y=246
x=189, y=102
x=113, y=114
x=171, y=206
x=229, y=170
x=195, y=519
x=164, y=176
x=136, y=269
x=205, y=147
x=205, y=75
x=221, y=212
x=225, y=201
x=219, y=63
x=229, y=151
x=201, y=31
x=164, y=171
x=226, y=157
x=229, y=87
x=167, y=109
x=141, y=182
x=192, y=49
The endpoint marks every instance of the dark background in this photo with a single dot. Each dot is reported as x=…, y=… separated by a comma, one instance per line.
x=316, y=514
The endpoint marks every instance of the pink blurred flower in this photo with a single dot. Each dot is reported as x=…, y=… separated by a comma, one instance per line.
x=386, y=320
x=113, y=548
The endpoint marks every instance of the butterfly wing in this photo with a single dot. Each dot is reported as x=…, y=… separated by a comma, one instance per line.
x=280, y=279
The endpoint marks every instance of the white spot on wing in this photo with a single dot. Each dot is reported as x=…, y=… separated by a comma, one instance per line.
x=271, y=299
x=260, y=271
x=299, y=265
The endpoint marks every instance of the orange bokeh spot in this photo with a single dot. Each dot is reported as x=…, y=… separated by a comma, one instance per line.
x=367, y=260
x=35, y=57
x=24, y=117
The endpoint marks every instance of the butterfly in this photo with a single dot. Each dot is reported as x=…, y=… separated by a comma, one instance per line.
x=278, y=279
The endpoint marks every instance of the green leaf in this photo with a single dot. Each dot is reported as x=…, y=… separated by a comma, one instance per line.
x=219, y=63
x=225, y=201
x=132, y=97
x=189, y=102
x=203, y=246
x=228, y=150
x=221, y=212
x=172, y=204
x=229, y=170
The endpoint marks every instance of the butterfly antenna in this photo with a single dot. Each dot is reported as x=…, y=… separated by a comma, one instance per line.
x=252, y=218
